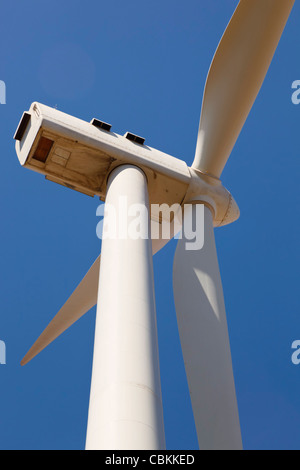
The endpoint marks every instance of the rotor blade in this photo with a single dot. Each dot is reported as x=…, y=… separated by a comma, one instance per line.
x=80, y=302
x=204, y=339
x=235, y=77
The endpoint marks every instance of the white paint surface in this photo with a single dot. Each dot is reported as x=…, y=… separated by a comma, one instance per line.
x=125, y=403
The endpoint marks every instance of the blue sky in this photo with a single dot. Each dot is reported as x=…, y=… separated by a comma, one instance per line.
x=141, y=66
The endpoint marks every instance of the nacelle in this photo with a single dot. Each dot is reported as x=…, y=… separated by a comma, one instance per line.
x=80, y=155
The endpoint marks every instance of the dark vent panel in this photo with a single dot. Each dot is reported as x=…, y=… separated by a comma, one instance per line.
x=101, y=124
x=135, y=138
x=22, y=126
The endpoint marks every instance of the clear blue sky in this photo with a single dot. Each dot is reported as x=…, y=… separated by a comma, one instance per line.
x=142, y=67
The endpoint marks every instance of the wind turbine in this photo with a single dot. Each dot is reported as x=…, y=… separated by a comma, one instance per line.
x=125, y=404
